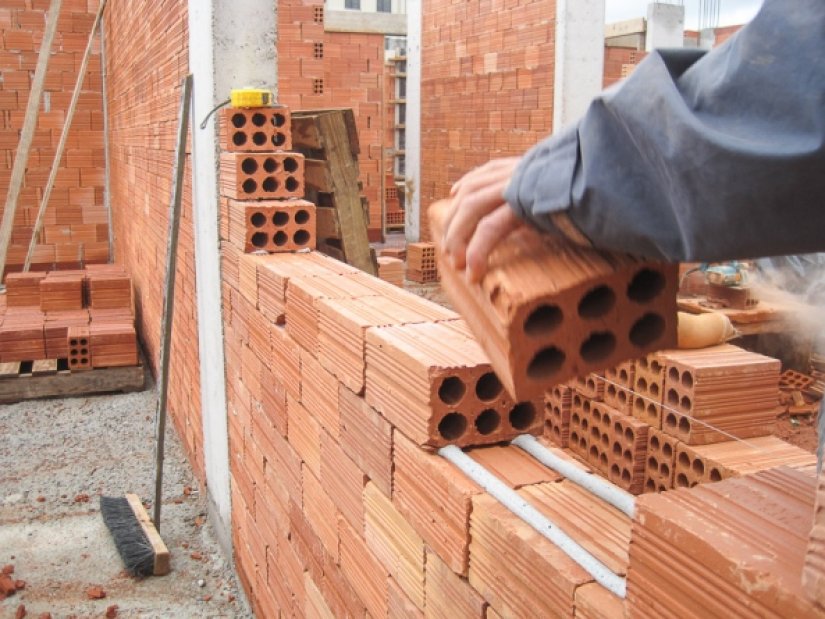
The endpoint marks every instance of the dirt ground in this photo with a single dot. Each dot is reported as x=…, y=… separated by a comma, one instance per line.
x=56, y=458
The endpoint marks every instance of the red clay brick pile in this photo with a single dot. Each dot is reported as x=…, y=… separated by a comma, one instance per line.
x=84, y=316
x=75, y=228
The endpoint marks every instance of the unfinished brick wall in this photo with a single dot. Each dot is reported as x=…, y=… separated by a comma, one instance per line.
x=619, y=62
x=146, y=60
x=318, y=69
x=76, y=215
x=486, y=86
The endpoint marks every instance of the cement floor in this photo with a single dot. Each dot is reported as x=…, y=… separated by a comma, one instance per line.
x=56, y=458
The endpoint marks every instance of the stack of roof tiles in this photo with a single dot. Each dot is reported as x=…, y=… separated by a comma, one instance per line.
x=44, y=309
x=262, y=182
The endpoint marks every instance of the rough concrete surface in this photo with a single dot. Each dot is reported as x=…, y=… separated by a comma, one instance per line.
x=56, y=453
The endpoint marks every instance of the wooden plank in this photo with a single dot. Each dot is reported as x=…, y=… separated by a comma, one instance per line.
x=327, y=226
x=306, y=132
x=9, y=370
x=101, y=380
x=331, y=251
x=162, y=560
x=44, y=367
x=317, y=175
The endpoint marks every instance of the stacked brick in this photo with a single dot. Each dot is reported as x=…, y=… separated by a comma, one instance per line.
x=262, y=184
x=85, y=317
x=421, y=263
x=391, y=270
x=619, y=62
x=75, y=226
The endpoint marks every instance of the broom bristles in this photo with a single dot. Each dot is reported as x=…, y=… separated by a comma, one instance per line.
x=132, y=544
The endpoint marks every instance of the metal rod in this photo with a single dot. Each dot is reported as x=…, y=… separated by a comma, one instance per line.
x=529, y=514
x=169, y=290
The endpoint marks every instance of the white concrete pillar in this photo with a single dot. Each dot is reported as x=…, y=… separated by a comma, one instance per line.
x=412, y=174
x=231, y=45
x=665, y=26
x=579, y=69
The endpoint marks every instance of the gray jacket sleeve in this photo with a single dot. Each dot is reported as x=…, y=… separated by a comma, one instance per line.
x=698, y=156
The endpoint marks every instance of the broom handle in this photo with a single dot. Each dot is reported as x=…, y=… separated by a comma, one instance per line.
x=169, y=290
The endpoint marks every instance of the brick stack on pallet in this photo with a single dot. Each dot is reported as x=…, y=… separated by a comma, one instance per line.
x=421, y=263
x=83, y=316
x=262, y=182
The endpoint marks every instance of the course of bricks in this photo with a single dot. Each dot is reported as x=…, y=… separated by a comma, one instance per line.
x=75, y=228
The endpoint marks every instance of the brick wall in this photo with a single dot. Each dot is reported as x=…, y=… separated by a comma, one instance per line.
x=486, y=87
x=76, y=215
x=319, y=69
x=619, y=62
x=146, y=60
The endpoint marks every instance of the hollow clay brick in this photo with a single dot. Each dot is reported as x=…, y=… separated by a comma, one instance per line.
x=590, y=386
x=557, y=403
x=394, y=543
x=366, y=575
x=513, y=466
x=304, y=434
x=274, y=225
x=261, y=129
x=579, y=440
x=23, y=289
x=61, y=292
x=343, y=481
x=253, y=176
x=546, y=311
x=344, y=322
x=628, y=444
x=434, y=383
x=320, y=511
x=367, y=438
x=319, y=394
x=593, y=601
x=448, y=594
x=398, y=604
x=813, y=571
x=536, y=580
x=435, y=498
x=699, y=552
x=80, y=352
x=112, y=344
x=661, y=461
x=56, y=329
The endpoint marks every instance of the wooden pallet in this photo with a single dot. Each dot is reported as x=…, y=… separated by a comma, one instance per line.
x=29, y=380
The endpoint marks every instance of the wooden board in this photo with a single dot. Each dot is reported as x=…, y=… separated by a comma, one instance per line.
x=764, y=318
x=44, y=367
x=327, y=225
x=66, y=384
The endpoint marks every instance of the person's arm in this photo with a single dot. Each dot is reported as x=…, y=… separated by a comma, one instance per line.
x=697, y=157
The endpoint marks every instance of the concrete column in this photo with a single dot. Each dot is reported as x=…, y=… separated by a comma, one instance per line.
x=665, y=26
x=231, y=45
x=579, y=70
x=412, y=182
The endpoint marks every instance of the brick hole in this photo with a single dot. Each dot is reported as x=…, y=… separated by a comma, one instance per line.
x=270, y=184
x=593, y=453
x=291, y=183
x=673, y=375
x=667, y=450
x=622, y=397
x=83, y=361
x=73, y=342
x=629, y=435
x=73, y=361
x=611, y=391
x=628, y=456
x=522, y=415
x=586, y=406
x=318, y=50
x=301, y=217
x=301, y=237
x=84, y=351
x=258, y=219
x=654, y=443
x=74, y=352
x=595, y=434
x=681, y=481
x=278, y=140
x=662, y=488
x=615, y=471
x=557, y=435
x=452, y=426
x=626, y=477
x=318, y=14
x=687, y=379
x=258, y=119
x=543, y=320
x=259, y=138
x=639, y=405
x=624, y=377
x=259, y=239
x=291, y=165
x=684, y=460
x=582, y=442
x=574, y=437
x=270, y=165
x=83, y=341
x=249, y=186
x=598, y=346
x=597, y=416
x=606, y=441
x=617, y=449
x=715, y=474
x=451, y=391
x=643, y=364
x=556, y=412
x=617, y=428
x=597, y=302
x=652, y=464
x=280, y=238
x=698, y=467
x=672, y=397
x=654, y=389
x=645, y=285
x=664, y=469
x=278, y=120
x=575, y=419
x=684, y=425
x=685, y=404
x=591, y=384
x=488, y=387
x=239, y=138
x=652, y=411
x=238, y=120
x=280, y=218
x=650, y=485
x=647, y=330
x=487, y=422
x=603, y=459
x=249, y=165
x=655, y=367
x=545, y=363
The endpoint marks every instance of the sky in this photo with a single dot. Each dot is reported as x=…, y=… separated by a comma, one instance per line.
x=731, y=12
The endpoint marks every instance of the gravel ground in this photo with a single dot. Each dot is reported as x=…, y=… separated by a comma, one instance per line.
x=56, y=458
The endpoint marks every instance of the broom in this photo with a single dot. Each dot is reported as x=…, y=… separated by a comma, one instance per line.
x=136, y=536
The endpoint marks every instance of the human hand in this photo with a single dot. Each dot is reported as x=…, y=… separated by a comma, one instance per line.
x=480, y=217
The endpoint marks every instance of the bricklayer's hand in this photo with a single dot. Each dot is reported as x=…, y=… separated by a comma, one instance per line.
x=480, y=217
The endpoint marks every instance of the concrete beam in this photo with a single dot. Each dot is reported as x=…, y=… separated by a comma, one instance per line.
x=579, y=71
x=231, y=45
x=363, y=22
x=665, y=26
x=622, y=28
